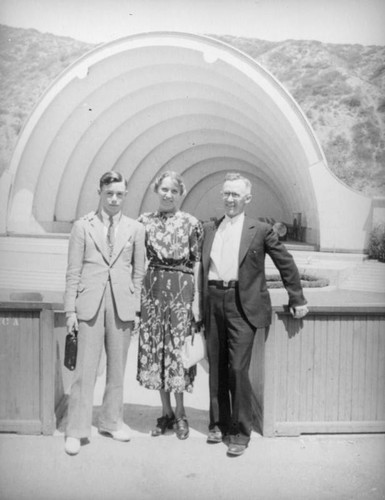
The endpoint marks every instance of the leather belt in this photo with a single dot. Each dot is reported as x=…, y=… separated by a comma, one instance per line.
x=182, y=268
x=223, y=284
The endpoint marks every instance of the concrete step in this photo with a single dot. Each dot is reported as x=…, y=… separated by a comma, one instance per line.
x=368, y=276
x=333, y=266
x=35, y=264
x=33, y=280
x=314, y=256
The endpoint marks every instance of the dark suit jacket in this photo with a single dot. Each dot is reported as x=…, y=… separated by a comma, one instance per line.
x=257, y=239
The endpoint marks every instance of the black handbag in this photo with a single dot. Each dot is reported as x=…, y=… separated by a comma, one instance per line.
x=71, y=350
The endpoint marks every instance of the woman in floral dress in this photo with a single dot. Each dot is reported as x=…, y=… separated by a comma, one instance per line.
x=170, y=301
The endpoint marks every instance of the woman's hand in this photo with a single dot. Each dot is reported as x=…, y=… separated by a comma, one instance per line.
x=196, y=308
x=137, y=320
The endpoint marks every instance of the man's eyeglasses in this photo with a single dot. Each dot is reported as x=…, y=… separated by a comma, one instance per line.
x=227, y=194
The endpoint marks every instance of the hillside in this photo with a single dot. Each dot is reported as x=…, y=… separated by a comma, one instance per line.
x=29, y=62
x=340, y=88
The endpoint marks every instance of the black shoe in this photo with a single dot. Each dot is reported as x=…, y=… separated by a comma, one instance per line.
x=235, y=450
x=162, y=424
x=214, y=436
x=182, y=428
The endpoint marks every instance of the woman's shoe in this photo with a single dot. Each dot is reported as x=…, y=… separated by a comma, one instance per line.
x=163, y=423
x=182, y=428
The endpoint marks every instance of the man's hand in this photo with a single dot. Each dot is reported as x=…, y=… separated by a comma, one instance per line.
x=72, y=323
x=299, y=312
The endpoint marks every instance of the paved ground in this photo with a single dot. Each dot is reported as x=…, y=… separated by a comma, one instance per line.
x=309, y=467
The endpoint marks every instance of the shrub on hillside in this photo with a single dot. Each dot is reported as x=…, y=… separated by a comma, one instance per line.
x=381, y=106
x=352, y=101
x=377, y=243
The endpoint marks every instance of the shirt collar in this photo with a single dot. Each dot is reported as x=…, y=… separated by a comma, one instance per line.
x=167, y=214
x=234, y=220
x=106, y=217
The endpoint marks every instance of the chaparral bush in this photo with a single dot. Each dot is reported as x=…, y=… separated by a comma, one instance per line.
x=377, y=243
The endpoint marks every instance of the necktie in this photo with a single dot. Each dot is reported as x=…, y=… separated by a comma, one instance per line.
x=111, y=235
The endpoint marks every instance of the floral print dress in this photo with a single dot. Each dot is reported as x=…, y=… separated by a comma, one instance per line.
x=173, y=245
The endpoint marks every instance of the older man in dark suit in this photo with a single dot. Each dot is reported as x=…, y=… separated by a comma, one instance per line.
x=235, y=303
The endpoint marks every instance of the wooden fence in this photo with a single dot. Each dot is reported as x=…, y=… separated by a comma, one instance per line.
x=323, y=374
x=27, y=370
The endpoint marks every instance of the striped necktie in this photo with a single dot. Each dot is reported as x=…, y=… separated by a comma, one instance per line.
x=111, y=235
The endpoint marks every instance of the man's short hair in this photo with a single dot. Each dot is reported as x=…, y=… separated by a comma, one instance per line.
x=172, y=175
x=235, y=176
x=110, y=177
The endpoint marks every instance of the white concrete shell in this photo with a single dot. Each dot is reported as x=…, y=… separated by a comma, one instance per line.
x=177, y=101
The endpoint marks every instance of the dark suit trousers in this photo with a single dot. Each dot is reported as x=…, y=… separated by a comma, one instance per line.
x=230, y=340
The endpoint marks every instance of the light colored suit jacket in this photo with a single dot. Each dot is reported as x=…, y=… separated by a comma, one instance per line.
x=257, y=240
x=90, y=267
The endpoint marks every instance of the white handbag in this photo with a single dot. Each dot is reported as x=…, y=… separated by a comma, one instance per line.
x=194, y=349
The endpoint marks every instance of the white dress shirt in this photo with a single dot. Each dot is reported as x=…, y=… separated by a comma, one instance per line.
x=225, y=250
x=106, y=221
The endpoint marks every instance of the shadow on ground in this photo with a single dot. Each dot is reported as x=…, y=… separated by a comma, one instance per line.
x=142, y=418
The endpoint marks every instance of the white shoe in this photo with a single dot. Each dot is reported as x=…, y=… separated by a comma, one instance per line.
x=72, y=446
x=123, y=434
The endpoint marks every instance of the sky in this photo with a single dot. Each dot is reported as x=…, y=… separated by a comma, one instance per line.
x=97, y=21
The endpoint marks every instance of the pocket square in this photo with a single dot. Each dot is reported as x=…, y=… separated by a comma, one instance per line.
x=128, y=243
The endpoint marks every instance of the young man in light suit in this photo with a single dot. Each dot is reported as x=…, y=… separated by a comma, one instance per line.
x=102, y=301
x=235, y=303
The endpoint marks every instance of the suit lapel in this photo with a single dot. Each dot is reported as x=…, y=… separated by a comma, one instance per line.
x=209, y=239
x=97, y=233
x=248, y=233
